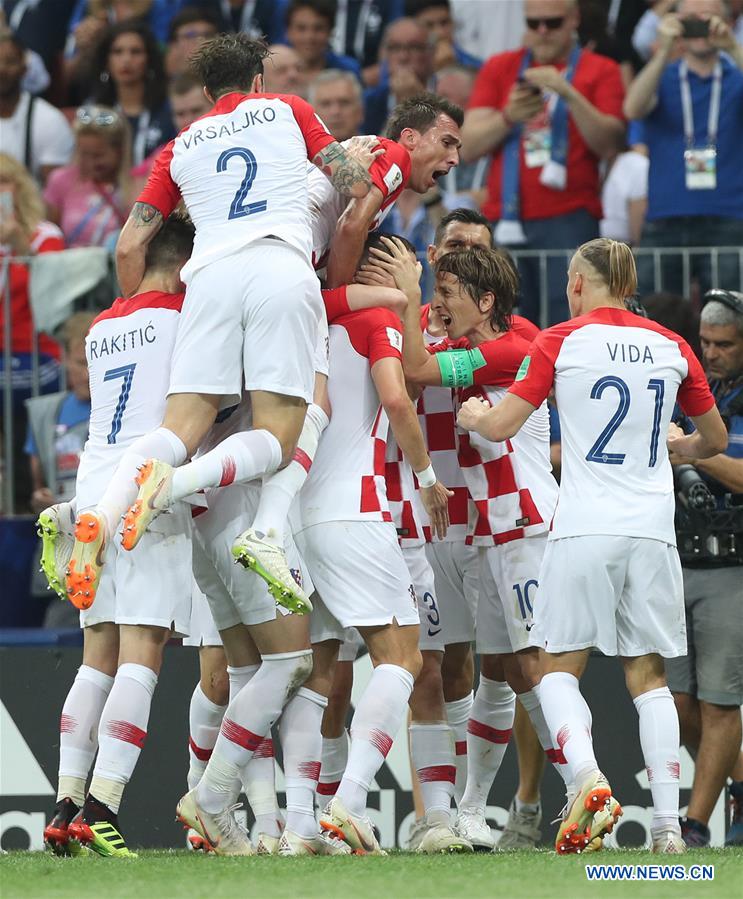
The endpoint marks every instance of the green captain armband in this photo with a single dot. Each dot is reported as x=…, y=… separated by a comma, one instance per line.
x=458, y=367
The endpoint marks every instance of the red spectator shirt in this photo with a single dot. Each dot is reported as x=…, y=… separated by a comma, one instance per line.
x=599, y=80
x=46, y=238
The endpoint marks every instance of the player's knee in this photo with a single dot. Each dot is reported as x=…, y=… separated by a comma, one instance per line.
x=215, y=685
x=302, y=670
x=428, y=691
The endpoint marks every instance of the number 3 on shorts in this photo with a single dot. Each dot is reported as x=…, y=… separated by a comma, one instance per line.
x=238, y=208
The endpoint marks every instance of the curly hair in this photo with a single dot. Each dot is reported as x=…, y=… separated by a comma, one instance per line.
x=420, y=113
x=156, y=83
x=229, y=62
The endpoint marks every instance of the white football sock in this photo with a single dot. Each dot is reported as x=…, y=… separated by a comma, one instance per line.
x=122, y=732
x=121, y=490
x=432, y=755
x=569, y=720
x=248, y=719
x=301, y=744
x=78, y=730
x=533, y=708
x=334, y=760
x=239, y=457
x=458, y=715
x=488, y=733
x=204, y=718
x=375, y=723
x=659, y=739
x=280, y=489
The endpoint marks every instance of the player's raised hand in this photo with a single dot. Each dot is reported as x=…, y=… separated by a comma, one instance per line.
x=364, y=149
x=436, y=503
x=471, y=413
x=400, y=263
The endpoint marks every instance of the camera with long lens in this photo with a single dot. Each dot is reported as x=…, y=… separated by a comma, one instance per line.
x=709, y=529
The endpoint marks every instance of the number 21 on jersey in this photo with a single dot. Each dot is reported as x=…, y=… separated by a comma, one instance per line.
x=598, y=452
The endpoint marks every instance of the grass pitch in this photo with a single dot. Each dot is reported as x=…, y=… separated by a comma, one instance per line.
x=531, y=875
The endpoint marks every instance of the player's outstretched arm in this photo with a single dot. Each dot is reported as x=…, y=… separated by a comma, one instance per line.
x=346, y=174
x=389, y=380
x=495, y=423
x=347, y=244
x=709, y=439
x=361, y=296
x=142, y=225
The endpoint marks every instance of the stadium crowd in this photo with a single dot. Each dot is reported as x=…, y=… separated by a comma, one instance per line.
x=583, y=119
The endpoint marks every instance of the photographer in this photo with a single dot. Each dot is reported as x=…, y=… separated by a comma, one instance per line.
x=707, y=683
x=692, y=111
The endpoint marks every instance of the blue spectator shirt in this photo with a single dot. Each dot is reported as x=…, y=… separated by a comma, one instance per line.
x=664, y=136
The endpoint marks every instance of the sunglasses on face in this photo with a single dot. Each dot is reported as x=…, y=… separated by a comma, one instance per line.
x=551, y=23
x=89, y=115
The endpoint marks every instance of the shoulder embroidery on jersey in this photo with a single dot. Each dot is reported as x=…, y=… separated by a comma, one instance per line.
x=393, y=178
x=395, y=339
x=523, y=368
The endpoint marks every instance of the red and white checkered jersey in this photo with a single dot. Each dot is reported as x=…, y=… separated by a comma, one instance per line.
x=242, y=172
x=346, y=480
x=617, y=377
x=437, y=417
x=511, y=484
x=389, y=173
x=403, y=497
x=128, y=348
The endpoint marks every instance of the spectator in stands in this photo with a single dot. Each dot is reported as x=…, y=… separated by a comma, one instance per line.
x=693, y=128
x=336, y=97
x=624, y=196
x=189, y=29
x=156, y=13
x=309, y=24
x=435, y=17
x=407, y=67
x=358, y=32
x=36, y=78
x=128, y=75
x=549, y=112
x=484, y=29
x=41, y=25
x=58, y=422
x=24, y=232
x=88, y=198
x=282, y=71
x=256, y=18
x=33, y=131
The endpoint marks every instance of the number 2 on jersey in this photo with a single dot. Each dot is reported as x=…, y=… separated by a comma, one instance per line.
x=598, y=453
x=239, y=208
x=126, y=373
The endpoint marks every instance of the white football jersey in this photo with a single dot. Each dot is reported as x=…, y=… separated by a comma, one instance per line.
x=242, y=172
x=346, y=480
x=128, y=349
x=617, y=377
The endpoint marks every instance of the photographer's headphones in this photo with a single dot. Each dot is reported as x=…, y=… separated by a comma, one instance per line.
x=730, y=298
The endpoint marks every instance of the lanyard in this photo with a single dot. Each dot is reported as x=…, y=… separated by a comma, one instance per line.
x=21, y=8
x=713, y=118
x=140, y=140
x=338, y=38
x=246, y=16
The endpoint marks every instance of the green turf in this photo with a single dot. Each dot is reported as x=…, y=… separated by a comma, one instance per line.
x=531, y=875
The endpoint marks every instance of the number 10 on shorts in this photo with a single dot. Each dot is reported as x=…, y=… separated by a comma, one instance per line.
x=524, y=593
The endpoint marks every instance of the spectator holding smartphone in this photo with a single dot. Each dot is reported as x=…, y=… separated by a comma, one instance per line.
x=693, y=128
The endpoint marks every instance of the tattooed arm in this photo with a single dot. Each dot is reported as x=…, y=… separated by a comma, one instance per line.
x=346, y=175
x=350, y=236
x=142, y=225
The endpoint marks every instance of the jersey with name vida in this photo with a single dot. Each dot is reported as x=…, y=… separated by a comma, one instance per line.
x=617, y=377
x=128, y=348
x=511, y=483
x=389, y=173
x=346, y=480
x=242, y=172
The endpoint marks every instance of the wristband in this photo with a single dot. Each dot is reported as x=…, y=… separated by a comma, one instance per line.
x=427, y=477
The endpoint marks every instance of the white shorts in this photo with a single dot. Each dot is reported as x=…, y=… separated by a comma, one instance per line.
x=623, y=595
x=203, y=631
x=509, y=580
x=351, y=646
x=151, y=584
x=255, y=313
x=360, y=575
x=431, y=634
x=456, y=573
x=235, y=596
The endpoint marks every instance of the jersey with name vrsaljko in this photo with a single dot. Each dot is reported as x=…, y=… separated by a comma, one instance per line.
x=389, y=172
x=346, y=480
x=128, y=348
x=511, y=483
x=617, y=377
x=242, y=172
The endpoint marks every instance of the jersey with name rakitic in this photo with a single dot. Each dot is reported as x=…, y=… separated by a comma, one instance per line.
x=346, y=480
x=242, y=172
x=511, y=483
x=617, y=377
x=128, y=349
x=389, y=173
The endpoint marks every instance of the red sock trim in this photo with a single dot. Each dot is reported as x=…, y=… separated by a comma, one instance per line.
x=381, y=740
x=329, y=788
x=264, y=750
x=437, y=773
x=303, y=459
x=235, y=733
x=309, y=770
x=556, y=756
x=203, y=755
x=126, y=732
x=485, y=732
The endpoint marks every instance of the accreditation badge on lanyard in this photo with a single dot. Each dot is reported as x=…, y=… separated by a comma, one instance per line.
x=700, y=163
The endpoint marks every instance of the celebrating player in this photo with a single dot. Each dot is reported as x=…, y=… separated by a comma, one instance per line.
x=611, y=576
x=241, y=171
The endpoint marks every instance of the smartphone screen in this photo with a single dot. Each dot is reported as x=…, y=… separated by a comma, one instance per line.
x=696, y=27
